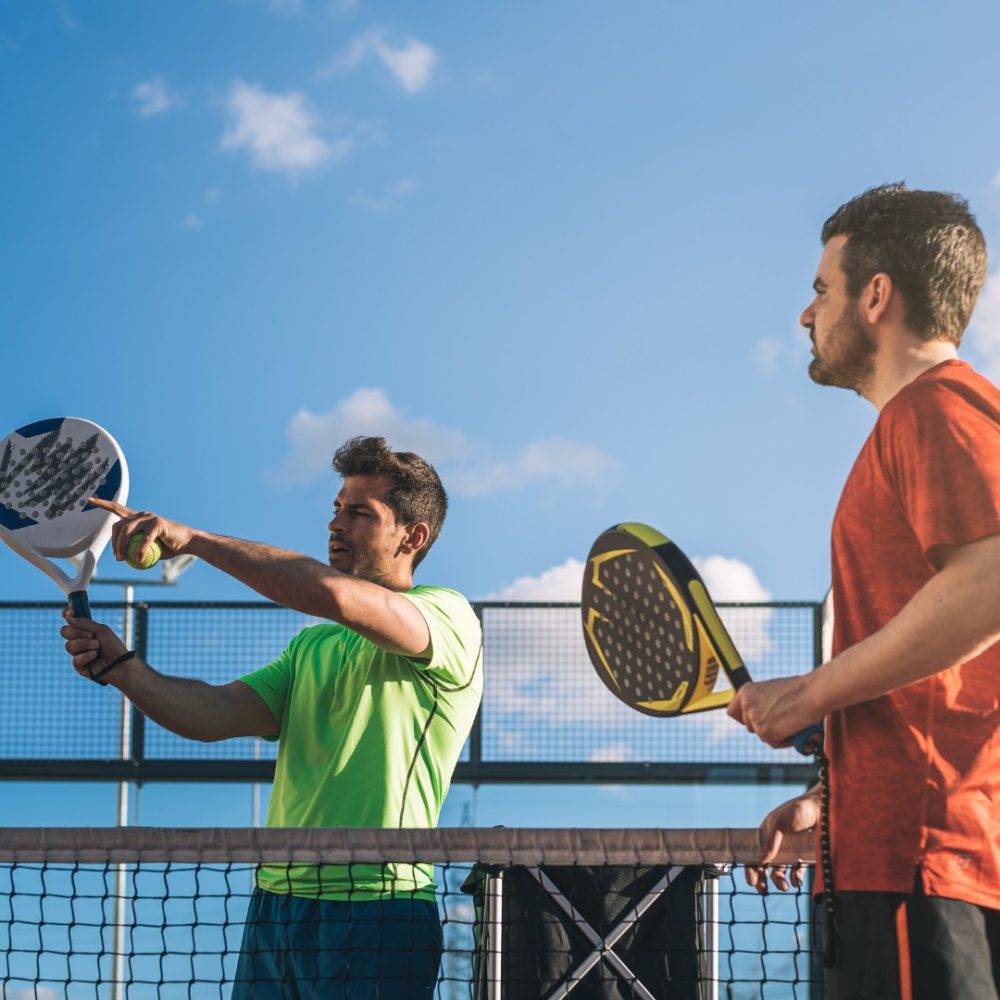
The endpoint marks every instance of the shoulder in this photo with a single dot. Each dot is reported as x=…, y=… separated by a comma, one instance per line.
x=442, y=600
x=448, y=612
x=950, y=395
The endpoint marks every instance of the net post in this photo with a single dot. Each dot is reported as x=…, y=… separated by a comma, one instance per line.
x=710, y=936
x=138, y=751
x=121, y=818
x=494, y=934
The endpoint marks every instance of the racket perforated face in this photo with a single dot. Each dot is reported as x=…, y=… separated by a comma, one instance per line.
x=48, y=472
x=646, y=637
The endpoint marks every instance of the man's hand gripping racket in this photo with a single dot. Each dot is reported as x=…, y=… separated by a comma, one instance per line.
x=653, y=634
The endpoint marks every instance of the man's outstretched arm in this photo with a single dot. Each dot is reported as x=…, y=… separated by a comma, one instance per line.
x=190, y=708
x=288, y=578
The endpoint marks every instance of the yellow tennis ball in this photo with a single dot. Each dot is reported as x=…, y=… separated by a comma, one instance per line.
x=153, y=553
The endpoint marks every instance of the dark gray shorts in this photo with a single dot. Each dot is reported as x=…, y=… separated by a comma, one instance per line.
x=322, y=949
x=893, y=946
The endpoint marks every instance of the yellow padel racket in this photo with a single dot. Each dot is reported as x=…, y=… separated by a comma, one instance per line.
x=653, y=634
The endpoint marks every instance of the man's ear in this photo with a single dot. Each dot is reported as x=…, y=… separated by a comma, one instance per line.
x=876, y=297
x=417, y=536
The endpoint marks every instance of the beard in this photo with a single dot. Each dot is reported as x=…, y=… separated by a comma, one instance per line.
x=848, y=358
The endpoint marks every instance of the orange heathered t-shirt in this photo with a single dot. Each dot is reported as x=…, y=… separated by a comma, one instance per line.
x=916, y=773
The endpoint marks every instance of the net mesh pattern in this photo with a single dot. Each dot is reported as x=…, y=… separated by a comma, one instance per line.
x=50, y=711
x=162, y=913
x=535, y=666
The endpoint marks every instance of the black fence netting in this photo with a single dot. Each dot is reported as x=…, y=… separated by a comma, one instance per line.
x=545, y=715
x=517, y=914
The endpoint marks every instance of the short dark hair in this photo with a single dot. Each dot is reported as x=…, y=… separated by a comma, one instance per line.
x=928, y=242
x=416, y=493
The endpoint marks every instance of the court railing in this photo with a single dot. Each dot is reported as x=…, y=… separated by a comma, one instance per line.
x=545, y=717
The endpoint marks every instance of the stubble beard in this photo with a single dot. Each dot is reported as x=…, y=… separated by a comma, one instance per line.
x=848, y=361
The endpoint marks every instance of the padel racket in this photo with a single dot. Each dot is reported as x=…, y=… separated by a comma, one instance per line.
x=49, y=470
x=653, y=634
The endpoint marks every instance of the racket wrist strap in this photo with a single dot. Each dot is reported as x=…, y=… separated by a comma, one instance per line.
x=111, y=666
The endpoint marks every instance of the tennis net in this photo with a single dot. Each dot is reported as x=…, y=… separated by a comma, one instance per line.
x=523, y=913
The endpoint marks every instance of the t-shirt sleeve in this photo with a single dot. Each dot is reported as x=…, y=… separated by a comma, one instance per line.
x=456, y=636
x=274, y=682
x=941, y=449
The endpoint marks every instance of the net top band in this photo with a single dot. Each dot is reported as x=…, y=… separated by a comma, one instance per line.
x=494, y=846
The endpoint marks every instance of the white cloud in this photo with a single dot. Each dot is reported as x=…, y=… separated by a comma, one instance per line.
x=734, y=581
x=561, y=583
x=314, y=437
x=279, y=131
x=730, y=579
x=411, y=61
x=344, y=62
x=411, y=64
x=389, y=199
x=767, y=353
x=984, y=330
x=193, y=221
x=771, y=354
x=30, y=993
x=153, y=97
x=610, y=753
x=551, y=459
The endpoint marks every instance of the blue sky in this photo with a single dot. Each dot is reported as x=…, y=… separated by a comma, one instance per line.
x=560, y=248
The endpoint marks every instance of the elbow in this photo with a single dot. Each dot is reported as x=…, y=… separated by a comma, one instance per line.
x=334, y=598
x=201, y=734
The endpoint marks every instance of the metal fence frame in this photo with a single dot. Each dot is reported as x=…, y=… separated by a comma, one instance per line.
x=135, y=766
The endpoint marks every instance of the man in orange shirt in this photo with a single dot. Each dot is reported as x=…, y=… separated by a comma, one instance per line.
x=911, y=697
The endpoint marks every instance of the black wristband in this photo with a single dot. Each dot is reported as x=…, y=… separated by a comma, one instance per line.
x=111, y=666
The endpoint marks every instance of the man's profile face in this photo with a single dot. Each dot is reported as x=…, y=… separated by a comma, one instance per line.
x=364, y=536
x=843, y=350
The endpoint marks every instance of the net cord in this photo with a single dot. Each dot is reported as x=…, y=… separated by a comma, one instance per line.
x=496, y=846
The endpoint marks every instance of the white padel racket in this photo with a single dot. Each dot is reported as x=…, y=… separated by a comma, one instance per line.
x=49, y=470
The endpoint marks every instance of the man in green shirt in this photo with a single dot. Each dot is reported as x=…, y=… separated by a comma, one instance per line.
x=370, y=712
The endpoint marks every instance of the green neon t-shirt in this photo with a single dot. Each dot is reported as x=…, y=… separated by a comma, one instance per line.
x=369, y=739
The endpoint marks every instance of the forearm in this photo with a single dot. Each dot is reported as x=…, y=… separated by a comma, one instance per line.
x=307, y=585
x=285, y=577
x=954, y=617
x=190, y=708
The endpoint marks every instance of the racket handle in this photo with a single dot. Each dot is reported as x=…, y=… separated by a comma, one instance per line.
x=79, y=604
x=809, y=740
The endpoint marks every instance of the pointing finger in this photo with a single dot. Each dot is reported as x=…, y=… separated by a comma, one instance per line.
x=116, y=508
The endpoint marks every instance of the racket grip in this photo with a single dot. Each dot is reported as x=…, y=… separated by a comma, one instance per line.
x=809, y=740
x=79, y=604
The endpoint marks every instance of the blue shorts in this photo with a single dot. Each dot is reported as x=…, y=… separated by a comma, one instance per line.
x=311, y=949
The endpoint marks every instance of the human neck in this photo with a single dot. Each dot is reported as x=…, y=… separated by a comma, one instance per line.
x=901, y=361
